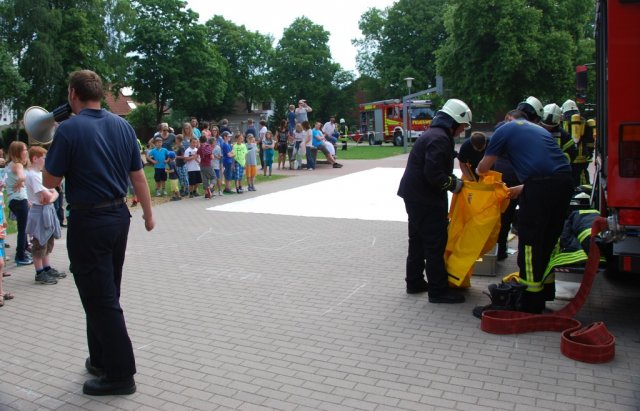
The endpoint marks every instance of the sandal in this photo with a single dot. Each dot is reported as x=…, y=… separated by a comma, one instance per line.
x=8, y=296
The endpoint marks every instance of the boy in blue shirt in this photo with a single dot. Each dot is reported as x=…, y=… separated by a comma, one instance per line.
x=158, y=157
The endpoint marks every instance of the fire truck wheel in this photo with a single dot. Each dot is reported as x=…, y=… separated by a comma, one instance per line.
x=372, y=140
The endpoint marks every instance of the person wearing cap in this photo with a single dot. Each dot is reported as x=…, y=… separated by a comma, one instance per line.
x=302, y=110
x=543, y=196
x=423, y=187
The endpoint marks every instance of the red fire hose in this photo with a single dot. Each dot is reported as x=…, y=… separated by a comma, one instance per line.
x=592, y=344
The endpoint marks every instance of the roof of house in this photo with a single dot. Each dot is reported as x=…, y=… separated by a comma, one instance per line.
x=119, y=104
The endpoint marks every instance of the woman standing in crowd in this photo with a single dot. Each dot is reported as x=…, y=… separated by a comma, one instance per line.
x=17, y=196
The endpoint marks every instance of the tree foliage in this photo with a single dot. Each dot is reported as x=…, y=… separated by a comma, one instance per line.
x=499, y=52
x=400, y=42
x=302, y=67
x=47, y=39
x=247, y=56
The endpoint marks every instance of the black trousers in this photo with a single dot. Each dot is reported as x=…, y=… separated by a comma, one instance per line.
x=543, y=208
x=506, y=219
x=96, y=242
x=427, y=243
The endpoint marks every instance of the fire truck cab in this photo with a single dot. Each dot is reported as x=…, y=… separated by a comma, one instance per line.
x=383, y=121
x=617, y=184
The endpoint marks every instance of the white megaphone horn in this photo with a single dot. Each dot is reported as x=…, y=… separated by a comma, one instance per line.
x=40, y=124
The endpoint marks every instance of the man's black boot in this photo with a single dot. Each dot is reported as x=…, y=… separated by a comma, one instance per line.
x=104, y=386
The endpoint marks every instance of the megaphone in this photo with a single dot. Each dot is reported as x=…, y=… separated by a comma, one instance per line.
x=40, y=124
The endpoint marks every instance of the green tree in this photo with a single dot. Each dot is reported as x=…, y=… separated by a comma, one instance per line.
x=172, y=63
x=499, y=52
x=400, y=42
x=302, y=68
x=12, y=85
x=47, y=39
x=247, y=57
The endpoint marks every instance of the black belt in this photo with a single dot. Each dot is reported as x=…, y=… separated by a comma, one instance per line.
x=91, y=206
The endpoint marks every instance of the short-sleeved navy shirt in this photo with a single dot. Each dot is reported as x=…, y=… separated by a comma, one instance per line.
x=94, y=151
x=531, y=149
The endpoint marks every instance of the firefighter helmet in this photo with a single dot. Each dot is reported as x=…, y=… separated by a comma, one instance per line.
x=458, y=111
x=569, y=105
x=342, y=121
x=532, y=107
x=552, y=114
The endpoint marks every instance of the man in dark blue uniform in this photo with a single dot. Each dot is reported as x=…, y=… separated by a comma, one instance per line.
x=543, y=197
x=424, y=185
x=96, y=152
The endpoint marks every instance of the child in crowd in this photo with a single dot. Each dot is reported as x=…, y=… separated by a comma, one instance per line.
x=291, y=118
x=267, y=148
x=42, y=222
x=181, y=166
x=158, y=157
x=193, y=168
x=240, y=157
x=227, y=162
x=291, y=144
x=308, y=143
x=251, y=165
x=205, y=153
x=298, y=147
x=281, y=139
x=217, y=156
x=172, y=172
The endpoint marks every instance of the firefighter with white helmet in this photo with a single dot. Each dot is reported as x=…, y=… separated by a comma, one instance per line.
x=581, y=132
x=424, y=185
x=551, y=121
x=532, y=108
x=343, y=129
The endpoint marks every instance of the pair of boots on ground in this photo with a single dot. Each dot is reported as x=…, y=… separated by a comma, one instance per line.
x=504, y=296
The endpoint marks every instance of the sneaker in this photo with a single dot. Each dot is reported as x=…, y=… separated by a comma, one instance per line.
x=52, y=272
x=337, y=165
x=164, y=193
x=227, y=191
x=238, y=191
x=43, y=278
x=190, y=195
x=175, y=198
x=195, y=194
x=219, y=193
x=157, y=193
x=24, y=261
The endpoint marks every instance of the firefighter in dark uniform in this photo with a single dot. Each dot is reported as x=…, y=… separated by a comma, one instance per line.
x=343, y=129
x=581, y=132
x=543, y=200
x=424, y=185
x=551, y=121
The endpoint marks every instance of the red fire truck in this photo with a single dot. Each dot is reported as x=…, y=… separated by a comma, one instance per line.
x=382, y=121
x=617, y=182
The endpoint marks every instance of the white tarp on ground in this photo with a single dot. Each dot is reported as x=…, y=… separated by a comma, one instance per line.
x=365, y=195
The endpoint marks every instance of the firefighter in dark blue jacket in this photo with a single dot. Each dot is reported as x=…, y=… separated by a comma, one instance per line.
x=424, y=185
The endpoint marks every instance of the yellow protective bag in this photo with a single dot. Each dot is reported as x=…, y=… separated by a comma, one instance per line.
x=474, y=225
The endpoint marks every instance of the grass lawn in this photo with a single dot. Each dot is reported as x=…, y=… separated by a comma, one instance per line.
x=367, y=152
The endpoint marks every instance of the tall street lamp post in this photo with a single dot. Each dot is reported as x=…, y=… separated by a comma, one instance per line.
x=407, y=129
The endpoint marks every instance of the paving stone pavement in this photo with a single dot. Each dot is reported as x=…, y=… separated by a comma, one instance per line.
x=269, y=312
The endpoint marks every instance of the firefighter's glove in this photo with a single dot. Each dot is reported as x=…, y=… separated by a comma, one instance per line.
x=454, y=184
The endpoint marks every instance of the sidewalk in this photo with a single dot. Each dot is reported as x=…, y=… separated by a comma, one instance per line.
x=252, y=311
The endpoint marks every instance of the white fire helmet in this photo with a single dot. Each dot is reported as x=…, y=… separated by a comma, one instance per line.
x=536, y=104
x=458, y=110
x=341, y=121
x=569, y=105
x=552, y=114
